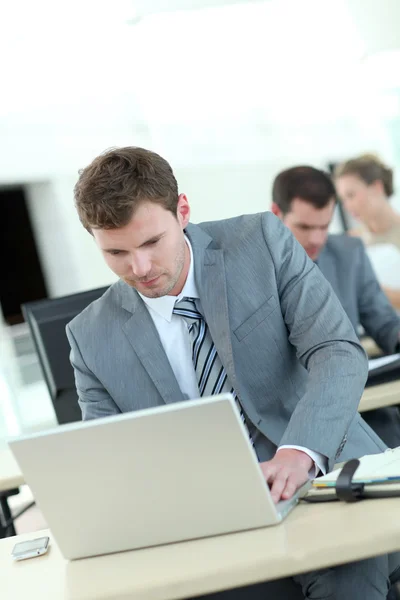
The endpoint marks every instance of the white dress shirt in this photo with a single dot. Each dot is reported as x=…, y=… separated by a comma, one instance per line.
x=175, y=339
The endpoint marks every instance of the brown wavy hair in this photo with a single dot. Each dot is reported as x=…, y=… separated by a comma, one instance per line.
x=110, y=189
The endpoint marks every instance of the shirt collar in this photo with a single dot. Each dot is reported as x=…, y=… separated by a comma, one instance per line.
x=164, y=306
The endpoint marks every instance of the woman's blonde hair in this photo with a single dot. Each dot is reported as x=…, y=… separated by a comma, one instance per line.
x=369, y=168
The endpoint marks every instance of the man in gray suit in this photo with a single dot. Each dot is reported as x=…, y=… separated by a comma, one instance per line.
x=304, y=199
x=241, y=298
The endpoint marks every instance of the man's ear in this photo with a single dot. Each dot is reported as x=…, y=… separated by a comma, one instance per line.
x=276, y=210
x=183, y=210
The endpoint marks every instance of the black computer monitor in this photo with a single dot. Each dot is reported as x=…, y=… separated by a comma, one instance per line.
x=47, y=320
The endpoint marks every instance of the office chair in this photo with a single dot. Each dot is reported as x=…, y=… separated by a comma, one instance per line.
x=7, y=520
x=47, y=320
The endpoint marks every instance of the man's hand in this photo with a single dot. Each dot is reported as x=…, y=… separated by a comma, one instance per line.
x=286, y=472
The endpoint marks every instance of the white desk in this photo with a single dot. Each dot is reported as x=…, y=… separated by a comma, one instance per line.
x=10, y=478
x=386, y=394
x=377, y=396
x=10, y=474
x=312, y=537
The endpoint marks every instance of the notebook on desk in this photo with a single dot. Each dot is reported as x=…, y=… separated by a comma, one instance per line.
x=377, y=475
x=373, y=469
x=383, y=369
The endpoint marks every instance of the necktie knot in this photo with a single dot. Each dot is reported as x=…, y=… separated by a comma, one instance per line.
x=186, y=303
x=187, y=309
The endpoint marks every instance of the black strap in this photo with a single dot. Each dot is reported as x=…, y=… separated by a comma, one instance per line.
x=345, y=488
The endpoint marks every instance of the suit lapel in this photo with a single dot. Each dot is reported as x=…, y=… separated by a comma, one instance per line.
x=145, y=341
x=209, y=268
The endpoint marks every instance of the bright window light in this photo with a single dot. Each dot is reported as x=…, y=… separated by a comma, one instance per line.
x=238, y=62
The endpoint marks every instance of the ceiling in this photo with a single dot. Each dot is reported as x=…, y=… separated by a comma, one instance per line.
x=152, y=61
x=192, y=77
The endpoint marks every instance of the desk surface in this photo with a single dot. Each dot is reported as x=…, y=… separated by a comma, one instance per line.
x=312, y=537
x=10, y=474
x=377, y=396
x=370, y=347
x=385, y=394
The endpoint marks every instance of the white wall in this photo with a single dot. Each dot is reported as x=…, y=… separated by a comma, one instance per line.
x=70, y=260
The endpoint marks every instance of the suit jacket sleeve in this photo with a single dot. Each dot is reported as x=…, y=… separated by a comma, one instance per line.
x=325, y=342
x=94, y=399
x=377, y=315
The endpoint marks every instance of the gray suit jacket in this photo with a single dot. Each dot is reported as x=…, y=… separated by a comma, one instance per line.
x=287, y=345
x=346, y=266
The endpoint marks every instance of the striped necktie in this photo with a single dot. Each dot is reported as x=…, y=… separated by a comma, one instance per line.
x=211, y=375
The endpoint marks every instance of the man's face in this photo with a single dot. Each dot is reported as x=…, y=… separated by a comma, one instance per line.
x=149, y=253
x=308, y=224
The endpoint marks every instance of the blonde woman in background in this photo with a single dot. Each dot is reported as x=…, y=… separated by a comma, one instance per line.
x=365, y=185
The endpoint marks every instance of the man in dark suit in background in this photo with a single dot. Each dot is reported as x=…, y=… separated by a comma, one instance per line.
x=304, y=199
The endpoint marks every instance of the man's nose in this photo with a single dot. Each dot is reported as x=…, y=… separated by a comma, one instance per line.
x=317, y=237
x=140, y=265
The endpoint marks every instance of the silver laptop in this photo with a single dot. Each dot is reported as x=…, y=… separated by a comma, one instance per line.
x=155, y=476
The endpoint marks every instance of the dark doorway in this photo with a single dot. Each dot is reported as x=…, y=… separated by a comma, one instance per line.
x=21, y=276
